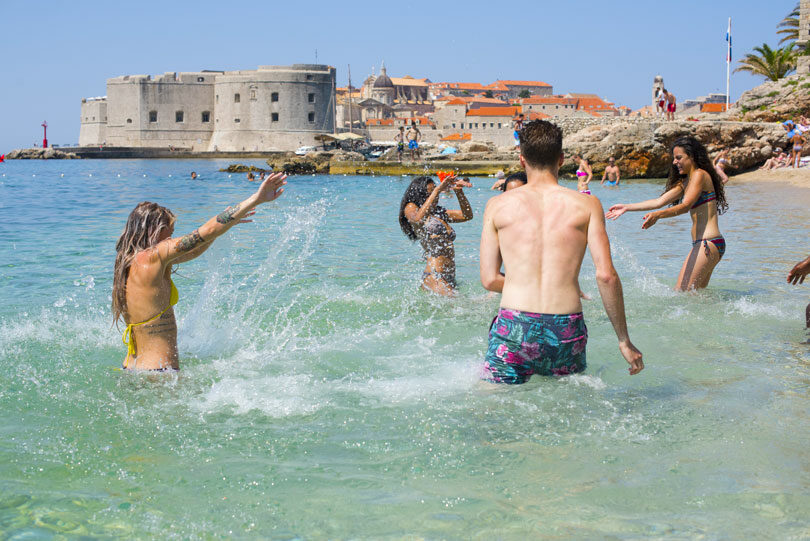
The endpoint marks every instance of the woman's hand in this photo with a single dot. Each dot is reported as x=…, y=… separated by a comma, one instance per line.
x=798, y=272
x=615, y=211
x=271, y=188
x=649, y=220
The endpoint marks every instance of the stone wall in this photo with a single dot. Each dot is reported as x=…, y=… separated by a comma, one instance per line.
x=93, y=131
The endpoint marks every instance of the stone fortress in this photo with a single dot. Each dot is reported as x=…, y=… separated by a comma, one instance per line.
x=270, y=108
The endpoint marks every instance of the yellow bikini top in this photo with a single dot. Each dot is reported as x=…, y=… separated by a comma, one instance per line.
x=127, y=337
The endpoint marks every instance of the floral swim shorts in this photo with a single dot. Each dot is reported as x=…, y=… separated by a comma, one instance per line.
x=523, y=343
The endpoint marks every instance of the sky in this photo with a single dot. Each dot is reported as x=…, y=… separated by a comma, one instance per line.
x=56, y=52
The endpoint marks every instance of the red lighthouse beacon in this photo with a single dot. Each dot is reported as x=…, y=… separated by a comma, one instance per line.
x=45, y=134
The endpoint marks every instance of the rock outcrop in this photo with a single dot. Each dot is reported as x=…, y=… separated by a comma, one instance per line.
x=49, y=153
x=240, y=168
x=773, y=101
x=642, y=150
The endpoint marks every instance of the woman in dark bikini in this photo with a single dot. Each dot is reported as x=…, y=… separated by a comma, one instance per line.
x=143, y=291
x=422, y=219
x=695, y=187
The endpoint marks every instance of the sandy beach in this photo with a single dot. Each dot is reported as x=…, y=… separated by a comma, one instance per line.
x=797, y=177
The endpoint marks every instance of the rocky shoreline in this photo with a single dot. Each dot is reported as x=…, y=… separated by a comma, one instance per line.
x=40, y=154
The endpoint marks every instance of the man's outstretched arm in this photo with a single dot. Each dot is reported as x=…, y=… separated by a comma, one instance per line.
x=610, y=286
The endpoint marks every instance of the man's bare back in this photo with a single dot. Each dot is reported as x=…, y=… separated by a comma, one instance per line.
x=542, y=233
x=539, y=233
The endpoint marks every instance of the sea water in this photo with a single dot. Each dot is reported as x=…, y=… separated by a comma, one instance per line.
x=323, y=395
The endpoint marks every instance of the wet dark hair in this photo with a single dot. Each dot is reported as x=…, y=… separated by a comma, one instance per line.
x=700, y=156
x=521, y=177
x=416, y=193
x=541, y=144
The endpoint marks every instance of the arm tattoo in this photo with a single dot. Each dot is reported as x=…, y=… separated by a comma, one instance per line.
x=189, y=242
x=226, y=216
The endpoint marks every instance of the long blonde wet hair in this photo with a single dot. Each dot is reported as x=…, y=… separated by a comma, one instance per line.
x=144, y=226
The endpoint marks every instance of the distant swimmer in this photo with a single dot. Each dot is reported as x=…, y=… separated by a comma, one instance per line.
x=584, y=174
x=143, y=291
x=612, y=175
x=499, y=180
x=796, y=276
x=193, y=175
x=421, y=218
x=539, y=232
x=694, y=187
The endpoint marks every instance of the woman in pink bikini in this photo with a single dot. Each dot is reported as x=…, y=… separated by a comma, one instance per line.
x=584, y=174
x=694, y=187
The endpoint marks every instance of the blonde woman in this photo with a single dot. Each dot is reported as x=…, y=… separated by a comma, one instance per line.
x=143, y=291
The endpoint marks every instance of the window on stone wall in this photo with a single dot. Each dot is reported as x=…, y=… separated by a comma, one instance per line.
x=462, y=125
x=200, y=79
x=178, y=116
x=499, y=125
x=236, y=121
x=311, y=117
x=252, y=94
x=491, y=124
x=309, y=77
x=274, y=117
x=217, y=98
x=129, y=121
x=152, y=116
x=206, y=116
x=274, y=96
x=454, y=124
x=311, y=98
x=237, y=98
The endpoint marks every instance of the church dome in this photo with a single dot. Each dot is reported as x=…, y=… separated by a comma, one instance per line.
x=383, y=81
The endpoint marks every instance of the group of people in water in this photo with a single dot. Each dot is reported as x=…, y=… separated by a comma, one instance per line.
x=536, y=230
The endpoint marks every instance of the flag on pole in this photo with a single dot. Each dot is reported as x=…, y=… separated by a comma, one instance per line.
x=728, y=39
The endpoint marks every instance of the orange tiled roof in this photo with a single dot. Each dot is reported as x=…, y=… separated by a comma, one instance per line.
x=460, y=86
x=593, y=103
x=538, y=116
x=457, y=101
x=407, y=81
x=380, y=122
x=522, y=83
x=497, y=85
x=712, y=107
x=554, y=100
x=458, y=137
x=509, y=111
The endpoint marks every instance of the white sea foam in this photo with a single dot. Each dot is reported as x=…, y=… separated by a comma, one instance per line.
x=749, y=307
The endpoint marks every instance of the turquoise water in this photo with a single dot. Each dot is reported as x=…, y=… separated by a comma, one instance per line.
x=322, y=395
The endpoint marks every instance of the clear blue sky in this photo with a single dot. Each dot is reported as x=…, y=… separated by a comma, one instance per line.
x=56, y=52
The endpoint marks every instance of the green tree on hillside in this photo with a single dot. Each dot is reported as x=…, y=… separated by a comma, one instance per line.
x=488, y=94
x=524, y=94
x=772, y=64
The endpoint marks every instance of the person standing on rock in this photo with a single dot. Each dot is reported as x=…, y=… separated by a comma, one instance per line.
x=694, y=187
x=517, y=124
x=414, y=137
x=671, y=105
x=661, y=103
x=399, y=139
x=611, y=174
x=796, y=152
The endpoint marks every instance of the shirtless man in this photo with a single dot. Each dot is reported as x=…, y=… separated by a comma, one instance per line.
x=611, y=174
x=671, y=104
x=539, y=232
x=517, y=125
x=414, y=136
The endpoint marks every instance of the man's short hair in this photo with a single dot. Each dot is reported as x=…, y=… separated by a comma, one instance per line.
x=541, y=144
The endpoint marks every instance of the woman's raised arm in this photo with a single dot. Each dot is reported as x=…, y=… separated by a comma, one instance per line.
x=187, y=247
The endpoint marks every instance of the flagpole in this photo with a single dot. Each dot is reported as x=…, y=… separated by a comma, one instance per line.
x=728, y=65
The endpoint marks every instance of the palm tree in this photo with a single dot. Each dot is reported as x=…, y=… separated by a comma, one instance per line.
x=772, y=64
x=790, y=27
